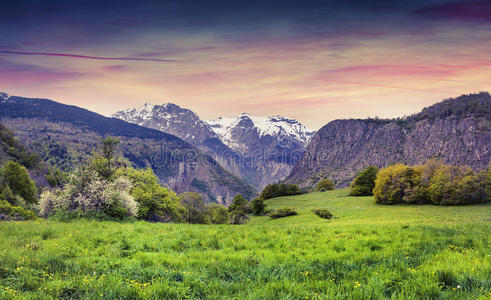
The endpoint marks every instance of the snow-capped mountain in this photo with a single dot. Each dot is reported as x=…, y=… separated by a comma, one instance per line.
x=236, y=132
x=169, y=118
x=4, y=96
x=260, y=150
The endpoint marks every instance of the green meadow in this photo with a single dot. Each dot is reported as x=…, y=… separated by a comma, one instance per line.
x=367, y=251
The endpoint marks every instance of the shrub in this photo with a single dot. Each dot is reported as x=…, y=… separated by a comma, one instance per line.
x=219, y=214
x=471, y=189
x=325, y=185
x=87, y=192
x=53, y=201
x=323, y=213
x=16, y=185
x=444, y=184
x=364, y=183
x=270, y=191
x=279, y=189
x=239, y=204
x=195, y=208
x=390, y=184
x=17, y=213
x=282, y=212
x=433, y=182
x=56, y=178
x=258, y=207
x=155, y=202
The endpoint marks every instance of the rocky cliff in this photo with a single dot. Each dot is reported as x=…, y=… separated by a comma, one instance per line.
x=457, y=131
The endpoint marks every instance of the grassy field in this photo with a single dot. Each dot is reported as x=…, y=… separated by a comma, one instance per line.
x=367, y=251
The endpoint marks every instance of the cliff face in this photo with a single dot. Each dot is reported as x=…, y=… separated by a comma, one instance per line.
x=457, y=131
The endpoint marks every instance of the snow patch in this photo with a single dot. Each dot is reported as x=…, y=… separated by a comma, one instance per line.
x=275, y=126
x=4, y=96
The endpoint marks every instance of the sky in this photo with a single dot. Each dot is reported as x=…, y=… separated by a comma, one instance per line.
x=314, y=61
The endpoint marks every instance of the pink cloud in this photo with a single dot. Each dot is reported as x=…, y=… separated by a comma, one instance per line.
x=398, y=71
x=18, y=73
x=115, y=68
x=385, y=86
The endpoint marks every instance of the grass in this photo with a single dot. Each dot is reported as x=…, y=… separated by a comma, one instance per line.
x=367, y=251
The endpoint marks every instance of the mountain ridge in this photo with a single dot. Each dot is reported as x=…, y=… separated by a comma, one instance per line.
x=44, y=123
x=260, y=150
x=456, y=130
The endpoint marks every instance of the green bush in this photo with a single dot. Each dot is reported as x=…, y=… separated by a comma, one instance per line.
x=10, y=212
x=258, y=207
x=325, y=185
x=390, y=184
x=16, y=185
x=364, y=183
x=56, y=178
x=444, y=185
x=155, y=202
x=323, y=213
x=239, y=203
x=279, y=189
x=195, y=211
x=77, y=214
x=431, y=183
x=219, y=214
x=282, y=212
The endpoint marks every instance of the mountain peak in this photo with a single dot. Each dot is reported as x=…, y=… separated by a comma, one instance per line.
x=148, y=105
x=170, y=118
x=276, y=126
x=4, y=96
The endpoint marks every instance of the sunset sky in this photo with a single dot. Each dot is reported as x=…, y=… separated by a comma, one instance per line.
x=311, y=60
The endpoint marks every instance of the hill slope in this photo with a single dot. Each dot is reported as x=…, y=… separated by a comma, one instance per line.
x=458, y=131
x=65, y=135
x=12, y=149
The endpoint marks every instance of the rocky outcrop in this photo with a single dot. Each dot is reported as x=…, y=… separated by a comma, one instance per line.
x=457, y=131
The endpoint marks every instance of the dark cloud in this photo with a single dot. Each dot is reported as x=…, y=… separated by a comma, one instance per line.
x=473, y=11
x=173, y=51
x=78, y=56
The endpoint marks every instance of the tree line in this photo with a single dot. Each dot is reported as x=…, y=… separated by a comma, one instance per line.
x=433, y=182
x=108, y=188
